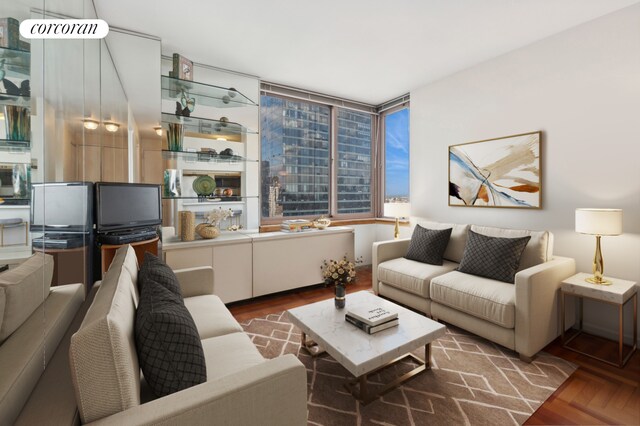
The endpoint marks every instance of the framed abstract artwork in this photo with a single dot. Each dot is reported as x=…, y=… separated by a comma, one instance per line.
x=501, y=172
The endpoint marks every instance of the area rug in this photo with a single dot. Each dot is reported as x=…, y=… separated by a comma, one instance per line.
x=472, y=381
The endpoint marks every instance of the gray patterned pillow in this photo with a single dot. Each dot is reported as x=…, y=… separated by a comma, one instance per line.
x=492, y=257
x=167, y=341
x=428, y=245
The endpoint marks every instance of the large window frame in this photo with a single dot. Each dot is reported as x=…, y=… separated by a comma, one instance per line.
x=381, y=165
x=333, y=166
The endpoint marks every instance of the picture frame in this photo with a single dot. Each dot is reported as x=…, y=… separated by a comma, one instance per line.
x=502, y=172
x=182, y=67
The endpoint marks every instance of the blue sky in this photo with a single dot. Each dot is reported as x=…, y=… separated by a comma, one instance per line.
x=397, y=154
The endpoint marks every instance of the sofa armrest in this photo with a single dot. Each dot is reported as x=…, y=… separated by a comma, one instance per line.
x=195, y=281
x=537, y=297
x=383, y=251
x=271, y=393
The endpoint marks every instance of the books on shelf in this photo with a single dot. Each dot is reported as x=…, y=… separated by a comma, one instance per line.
x=372, y=315
x=370, y=328
x=296, y=225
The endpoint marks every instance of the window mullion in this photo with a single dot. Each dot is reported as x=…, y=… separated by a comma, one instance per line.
x=333, y=169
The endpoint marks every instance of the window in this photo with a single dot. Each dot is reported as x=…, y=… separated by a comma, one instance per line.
x=396, y=156
x=354, y=161
x=295, y=141
x=296, y=149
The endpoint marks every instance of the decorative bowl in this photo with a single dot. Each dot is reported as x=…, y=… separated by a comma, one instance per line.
x=322, y=223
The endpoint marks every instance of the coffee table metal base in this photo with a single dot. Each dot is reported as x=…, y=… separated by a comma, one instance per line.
x=358, y=387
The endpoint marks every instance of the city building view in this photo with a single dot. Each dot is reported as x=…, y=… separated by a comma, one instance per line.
x=295, y=144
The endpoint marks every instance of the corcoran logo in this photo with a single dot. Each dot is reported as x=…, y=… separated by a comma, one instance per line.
x=64, y=28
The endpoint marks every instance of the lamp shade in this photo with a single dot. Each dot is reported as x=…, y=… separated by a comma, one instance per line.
x=397, y=209
x=599, y=221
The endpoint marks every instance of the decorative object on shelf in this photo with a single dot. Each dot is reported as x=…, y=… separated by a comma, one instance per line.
x=204, y=185
x=187, y=225
x=182, y=67
x=227, y=152
x=10, y=33
x=17, y=123
x=13, y=90
x=228, y=192
x=217, y=192
x=322, y=222
x=599, y=222
x=182, y=112
x=339, y=273
x=21, y=179
x=397, y=211
x=188, y=104
x=172, y=183
x=207, y=231
x=500, y=172
x=224, y=121
x=175, y=136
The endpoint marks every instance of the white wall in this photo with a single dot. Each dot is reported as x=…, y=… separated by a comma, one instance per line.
x=581, y=88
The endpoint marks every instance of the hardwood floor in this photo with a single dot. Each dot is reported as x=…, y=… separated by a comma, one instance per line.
x=596, y=393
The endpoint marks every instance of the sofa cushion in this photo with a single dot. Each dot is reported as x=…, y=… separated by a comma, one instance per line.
x=492, y=257
x=167, y=341
x=539, y=249
x=229, y=354
x=211, y=317
x=484, y=298
x=104, y=365
x=457, y=241
x=155, y=269
x=411, y=276
x=24, y=288
x=428, y=245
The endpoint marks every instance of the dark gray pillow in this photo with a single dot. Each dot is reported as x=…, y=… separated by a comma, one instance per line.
x=154, y=269
x=492, y=257
x=428, y=245
x=167, y=342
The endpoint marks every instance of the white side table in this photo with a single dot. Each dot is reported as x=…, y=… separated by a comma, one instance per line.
x=618, y=293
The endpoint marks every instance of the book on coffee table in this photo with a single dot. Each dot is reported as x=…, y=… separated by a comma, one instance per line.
x=371, y=315
x=370, y=328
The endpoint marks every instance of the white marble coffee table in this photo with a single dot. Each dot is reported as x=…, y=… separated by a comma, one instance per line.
x=360, y=353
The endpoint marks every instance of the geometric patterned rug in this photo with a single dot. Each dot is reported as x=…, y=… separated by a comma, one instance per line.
x=472, y=381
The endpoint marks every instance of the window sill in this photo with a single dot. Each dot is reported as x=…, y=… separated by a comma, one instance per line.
x=344, y=222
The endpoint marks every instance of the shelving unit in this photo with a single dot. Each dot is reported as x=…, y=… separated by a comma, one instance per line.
x=208, y=129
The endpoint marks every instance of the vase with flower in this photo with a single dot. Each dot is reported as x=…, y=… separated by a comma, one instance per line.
x=339, y=273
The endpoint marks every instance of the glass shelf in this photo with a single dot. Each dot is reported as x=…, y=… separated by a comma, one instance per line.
x=23, y=101
x=15, y=146
x=17, y=62
x=206, y=126
x=212, y=199
x=204, y=94
x=205, y=157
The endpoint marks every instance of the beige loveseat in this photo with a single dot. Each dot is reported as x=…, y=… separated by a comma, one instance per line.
x=33, y=320
x=522, y=316
x=242, y=387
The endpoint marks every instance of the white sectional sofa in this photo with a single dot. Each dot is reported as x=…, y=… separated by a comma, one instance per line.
x=522, y=316
x=33, y=320
x=242, y=387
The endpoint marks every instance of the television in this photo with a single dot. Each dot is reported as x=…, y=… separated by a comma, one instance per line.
x=62, y=207
x=125, y=206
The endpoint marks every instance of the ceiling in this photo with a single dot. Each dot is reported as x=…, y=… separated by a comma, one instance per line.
x=365, y=50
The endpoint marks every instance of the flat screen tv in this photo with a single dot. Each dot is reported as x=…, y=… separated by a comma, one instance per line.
x=62, y=207
x=123, y=206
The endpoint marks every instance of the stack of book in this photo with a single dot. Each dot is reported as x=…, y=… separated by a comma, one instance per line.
x=296, y=225
x=371, y=319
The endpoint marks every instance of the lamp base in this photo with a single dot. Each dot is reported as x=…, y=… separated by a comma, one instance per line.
x=597, y=280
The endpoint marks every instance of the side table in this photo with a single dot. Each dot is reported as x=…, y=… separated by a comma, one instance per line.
x=618, y=293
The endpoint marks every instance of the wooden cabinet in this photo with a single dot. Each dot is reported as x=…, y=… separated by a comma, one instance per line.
x=108, y=251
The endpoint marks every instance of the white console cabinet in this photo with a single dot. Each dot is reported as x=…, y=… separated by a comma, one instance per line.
x=250, y=264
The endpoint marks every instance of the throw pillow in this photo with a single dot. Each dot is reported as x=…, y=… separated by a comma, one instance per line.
x=428, y=245
x=492, y=257
x=154, y=269
x=167, y=342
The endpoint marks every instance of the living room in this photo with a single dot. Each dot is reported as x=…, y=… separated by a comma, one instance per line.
x=563, y=75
